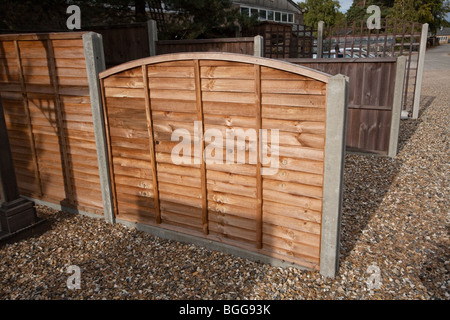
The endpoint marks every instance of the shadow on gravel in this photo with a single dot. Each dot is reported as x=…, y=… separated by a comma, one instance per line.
x=44, y=225
x=367, y=179
x=409, y=127
x=435, y=275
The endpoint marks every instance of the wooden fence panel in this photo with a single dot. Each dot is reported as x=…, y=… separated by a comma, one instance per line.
x=370, y=99
x=174, y=102
x=124, y=43
x=233, y=45
x=44, y=91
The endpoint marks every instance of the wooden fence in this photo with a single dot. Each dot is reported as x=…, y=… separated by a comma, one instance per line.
x=124, y=43
x=278, y=215
x=233, y=45
x=45, y=96
x=371, y=126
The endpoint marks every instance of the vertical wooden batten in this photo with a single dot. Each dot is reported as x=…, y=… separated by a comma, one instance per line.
x=259, y=208
x=70, y=193
x=151, y=143
x=28, y=118
x=200, y=117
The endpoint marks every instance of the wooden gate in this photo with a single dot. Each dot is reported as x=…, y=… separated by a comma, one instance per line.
x=149, y=101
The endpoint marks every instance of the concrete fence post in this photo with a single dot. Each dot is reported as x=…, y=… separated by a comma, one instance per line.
x=95, y=63
x=152, y=36
x=397, y=106
x=337, y=96
x=419, y=72
x=320, y=40
x=259, y=46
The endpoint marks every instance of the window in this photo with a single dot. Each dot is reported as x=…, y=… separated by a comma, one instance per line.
x=262, y=14
x=277, y=16
x=290, y=18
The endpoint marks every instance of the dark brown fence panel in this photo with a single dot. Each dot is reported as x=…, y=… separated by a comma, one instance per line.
x=45, y=95
x=233, y=45
x=124, y=43
x=278, y=215
x=395, y=38
x=370, y=99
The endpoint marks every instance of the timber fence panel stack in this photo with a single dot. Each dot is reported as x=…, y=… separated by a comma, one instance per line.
x=45, y=94
x=103, y=142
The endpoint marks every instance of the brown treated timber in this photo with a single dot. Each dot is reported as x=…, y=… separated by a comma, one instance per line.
x=59, y=119
x=108, y=141
x=259, y=187
x=28, y=119
x=199, y=97
x=151, y=143
x=221, y=56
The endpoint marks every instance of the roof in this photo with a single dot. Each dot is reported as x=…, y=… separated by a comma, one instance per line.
x=443, y=32
x=274, y=4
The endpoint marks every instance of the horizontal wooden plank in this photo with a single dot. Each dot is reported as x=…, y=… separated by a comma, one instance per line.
x=117, y=82
x=181, y=220
x=180, y=190
x=295, y=200
x=170, y=72
x=294, y=100
x=291, y=211
x=223, y=187
x=234, y=200
x=290, y=247
x=232, y=232
x=228, y=72
x=293, y=188
x=293, y=113
x=293, y=87
x=228, y=85
x=229, y=109
x=294, y=126
x=292, y=223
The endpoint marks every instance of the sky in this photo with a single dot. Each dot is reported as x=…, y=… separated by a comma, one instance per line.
x=345, y=5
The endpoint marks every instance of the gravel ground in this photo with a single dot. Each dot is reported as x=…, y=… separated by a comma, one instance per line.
x=395, y=239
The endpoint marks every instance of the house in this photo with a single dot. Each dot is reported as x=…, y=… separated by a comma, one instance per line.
x=281, y=11
x=443, y=34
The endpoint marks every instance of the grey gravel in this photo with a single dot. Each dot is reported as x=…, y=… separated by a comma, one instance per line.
x=395, y=221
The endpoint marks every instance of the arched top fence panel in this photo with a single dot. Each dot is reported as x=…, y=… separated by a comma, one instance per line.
x=219, y=56
x=231, y=148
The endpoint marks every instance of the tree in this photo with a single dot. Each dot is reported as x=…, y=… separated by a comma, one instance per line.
x=357, y=10
x=201, y=18
x=321, y=10
x=50, y=15
x=432, y=12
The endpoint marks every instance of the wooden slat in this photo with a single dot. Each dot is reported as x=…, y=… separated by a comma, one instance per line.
x=28, y=119
x=151, y=143
x=59, y=119
x=108, y=143
x=199, y=98
x=259, y=186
